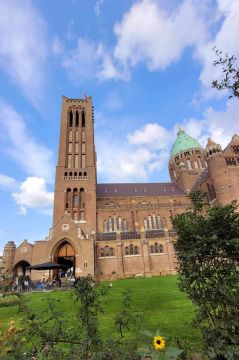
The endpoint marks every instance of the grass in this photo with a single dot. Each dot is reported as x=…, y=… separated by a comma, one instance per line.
x=157, y=299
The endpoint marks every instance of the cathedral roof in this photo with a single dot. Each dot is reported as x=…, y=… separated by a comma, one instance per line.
x=183, y=142
x=139, y=189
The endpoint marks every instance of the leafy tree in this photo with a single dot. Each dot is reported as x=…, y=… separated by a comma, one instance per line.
x=230, y=70
x=208, y=264
x=53, y=335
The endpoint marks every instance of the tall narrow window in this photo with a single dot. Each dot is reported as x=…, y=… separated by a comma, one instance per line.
x=82, y=197
x=154, y=221
x=161, y=249
x=77, y=135
x=110, y=224
x=75, y=198
x=77, y=118
x=145, y=224
x=76, y=161
x=120, y=223
x=106, y=250
x=151, y=249
x=111, y=251
x=102, y=252
x=83, y=136
x=156, y=248
x=77, y=148
x=83, y=148
x=83, y=119
x=126, y=250
x=70, y=147
x=125, y=227
x=105, y=226
x=115, y=222
x=131, y=249
x=70, y=135
x=69, y=161
x=70, y=118
x=83, y=160
x=68, y=198
x=189, y=164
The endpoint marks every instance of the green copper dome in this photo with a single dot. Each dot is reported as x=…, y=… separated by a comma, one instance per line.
x=182, y=143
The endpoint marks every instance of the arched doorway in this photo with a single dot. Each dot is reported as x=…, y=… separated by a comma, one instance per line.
x=21, y=268
x=65, y=255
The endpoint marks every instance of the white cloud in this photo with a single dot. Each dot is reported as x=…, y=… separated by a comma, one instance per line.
x=33, y=194
x=218, y=125
x=152, y=135
x=225, y=40
x=146, y=151
x=57, y=46
x=149, y=34
x=7, y=182
x=23, y=46
x=35, y=159
x=91, y=60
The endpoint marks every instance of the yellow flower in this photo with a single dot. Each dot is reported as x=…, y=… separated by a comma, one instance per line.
x=158, y=343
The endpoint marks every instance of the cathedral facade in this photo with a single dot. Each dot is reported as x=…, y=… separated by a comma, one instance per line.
x=121, y=230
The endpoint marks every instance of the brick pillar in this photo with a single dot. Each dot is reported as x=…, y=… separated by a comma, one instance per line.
x=120, y=256
x=145, y=252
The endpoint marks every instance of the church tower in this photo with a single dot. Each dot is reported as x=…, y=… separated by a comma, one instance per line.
x=75, y=183
x=187, y=161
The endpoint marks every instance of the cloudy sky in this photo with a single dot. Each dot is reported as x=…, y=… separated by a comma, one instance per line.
x=146, y=63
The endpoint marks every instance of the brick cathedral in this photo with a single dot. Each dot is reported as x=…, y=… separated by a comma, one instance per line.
x=121, y=230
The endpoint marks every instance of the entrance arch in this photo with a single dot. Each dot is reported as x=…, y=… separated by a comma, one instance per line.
x=21, y=268
x=65, y=255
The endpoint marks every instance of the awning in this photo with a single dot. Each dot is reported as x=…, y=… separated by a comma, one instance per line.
x=47, y=266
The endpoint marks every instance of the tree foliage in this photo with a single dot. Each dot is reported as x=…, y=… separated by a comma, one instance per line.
x=208, y=264
x=230, y=70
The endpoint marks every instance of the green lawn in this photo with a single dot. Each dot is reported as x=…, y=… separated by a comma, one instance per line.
x=157, y=299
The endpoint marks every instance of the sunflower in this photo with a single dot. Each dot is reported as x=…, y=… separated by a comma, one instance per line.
x=158, y=343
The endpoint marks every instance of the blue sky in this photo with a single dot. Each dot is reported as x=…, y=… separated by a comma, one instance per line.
x=148, y=66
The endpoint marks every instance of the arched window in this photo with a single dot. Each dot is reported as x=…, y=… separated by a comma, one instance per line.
x=120, y=223
x=114, y=222
x=161, y=249
x=131, y=249
x=83, y=118
x=65, y=174
x=83, y=136
x=154, y=221
x=189, y=164
x=110, y=224
x=85, y=173
x=125, y=227
x=106, y=250
x=70, y=118
x=80, y=173
x=102, y=252
x=77, y=118
x=111, y=251
x=70, y=174
x=126, y=250
x=151, y=249
x=70, y=135
x=75, y=198
x=145, y=224
x=156, y=248
x=75, y=173
x=105, y=226
x=68, y=198
x=77, y=136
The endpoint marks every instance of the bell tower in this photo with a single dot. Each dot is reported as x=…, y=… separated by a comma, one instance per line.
x=75, y=182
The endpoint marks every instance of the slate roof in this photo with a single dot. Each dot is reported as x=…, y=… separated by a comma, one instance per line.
x=138, y=189
x=202, y=177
